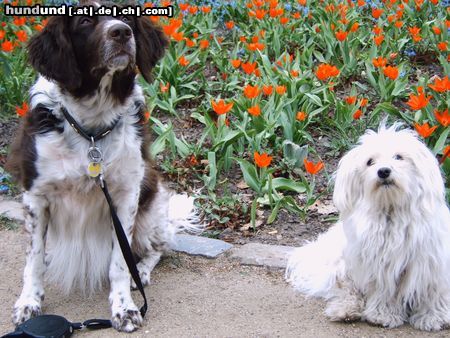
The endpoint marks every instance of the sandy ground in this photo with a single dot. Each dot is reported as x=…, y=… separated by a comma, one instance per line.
x=196, y=297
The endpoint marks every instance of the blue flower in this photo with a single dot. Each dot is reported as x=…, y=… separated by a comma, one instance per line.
x=410, y=52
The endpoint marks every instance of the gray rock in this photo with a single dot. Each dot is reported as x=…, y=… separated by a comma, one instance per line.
x=12, y=209
x=200, y=246
x=272, y=256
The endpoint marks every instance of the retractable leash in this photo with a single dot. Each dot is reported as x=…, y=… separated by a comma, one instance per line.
x=54, y=326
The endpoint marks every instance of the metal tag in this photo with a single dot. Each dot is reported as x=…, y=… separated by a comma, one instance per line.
x=95, y=154
x=94, y=169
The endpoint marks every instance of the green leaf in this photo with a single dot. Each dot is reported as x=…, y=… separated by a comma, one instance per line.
x=441, y=141
x=229, y=138
x=212, y=177
x=281, y=183
x=249, y=173
x=315, y=99
x=274, y=213
x=160, y=143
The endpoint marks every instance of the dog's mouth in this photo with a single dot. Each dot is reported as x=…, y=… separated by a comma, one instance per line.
x=119, y=55
x=385, y=183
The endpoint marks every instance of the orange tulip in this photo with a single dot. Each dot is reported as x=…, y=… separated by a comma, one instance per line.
x=251, y=91
x=442, y=46
x=357, y=114
x=440, y=85
x=436, y=30
x=164, y=87
x=235, y=63
x=280, y=90
x=254, y=110
x=301, y=116
x=376, y=12
x=262, y=160
x=391, y=72
x=378, y=39
x=354, y=27
x=341, y=35
x=350, y=99
x=22, y=110
x=7, y=46
x=379, y=61
x=249, y=67
x=325, y=71
x=204, y=44
x=229, y=24
x=22, y=36
x=220, y=107
x=267, y=90
x=313, y=168
x=417, y=102
x=424, y=130
x=443, y=118
x=206, y=9
x=183, y=61
x=183, y=7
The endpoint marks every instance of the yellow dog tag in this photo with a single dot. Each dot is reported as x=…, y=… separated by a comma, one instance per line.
x=94, y=169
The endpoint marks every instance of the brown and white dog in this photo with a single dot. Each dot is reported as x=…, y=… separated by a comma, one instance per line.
x=88, y=67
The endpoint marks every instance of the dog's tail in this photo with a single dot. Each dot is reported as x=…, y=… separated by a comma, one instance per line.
x=314, y=268
x=184, y=215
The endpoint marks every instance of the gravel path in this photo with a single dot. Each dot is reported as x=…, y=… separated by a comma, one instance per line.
x=196, y=297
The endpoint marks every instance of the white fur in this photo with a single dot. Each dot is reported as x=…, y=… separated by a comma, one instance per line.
x=68, y=218
x=387, y=261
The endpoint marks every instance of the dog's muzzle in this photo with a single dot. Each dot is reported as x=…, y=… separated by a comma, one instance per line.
x=120, y=48
x=384, y=175
x=120, y=33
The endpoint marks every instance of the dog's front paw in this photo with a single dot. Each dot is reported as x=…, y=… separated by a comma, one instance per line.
x=127, y=320
x=144, y=274
x=25, y=309
x=430, y=321
x=384, y=318
x=346, y=312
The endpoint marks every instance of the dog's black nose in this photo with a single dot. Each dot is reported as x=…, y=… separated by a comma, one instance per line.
x=120, y=33
x=384, y=172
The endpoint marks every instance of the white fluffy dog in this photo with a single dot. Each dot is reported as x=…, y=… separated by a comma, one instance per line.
x=387, y=261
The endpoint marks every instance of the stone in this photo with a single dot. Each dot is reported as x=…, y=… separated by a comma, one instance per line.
x=271, y=256
x=200, y=246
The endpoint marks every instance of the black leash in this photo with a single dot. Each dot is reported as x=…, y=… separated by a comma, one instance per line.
x=124, y=246
x=54, y=326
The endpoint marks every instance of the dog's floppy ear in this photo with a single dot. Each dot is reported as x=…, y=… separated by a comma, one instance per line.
x=348, y=186
x=428, y=175
x=150, y=45
x=50, y=52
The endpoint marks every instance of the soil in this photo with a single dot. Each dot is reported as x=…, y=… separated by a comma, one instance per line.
x=195, y=297
x=7, y=132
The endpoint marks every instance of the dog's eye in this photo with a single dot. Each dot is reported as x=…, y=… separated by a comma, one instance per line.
x=398, y=157
x=84, y=21
x=125, y=19
x=369, y=162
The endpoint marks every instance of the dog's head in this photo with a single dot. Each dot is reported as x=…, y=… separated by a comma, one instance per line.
x=78, y=51
x=388, y=169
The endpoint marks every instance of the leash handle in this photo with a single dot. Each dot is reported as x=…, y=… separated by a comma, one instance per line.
x=124, y=245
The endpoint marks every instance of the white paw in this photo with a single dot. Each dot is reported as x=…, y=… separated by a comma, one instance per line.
x=346, y=306
x=384, y=317
x=25, y=309
x=127, y=320
x=144, y=274
x=430, y=321
x=338, y=313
